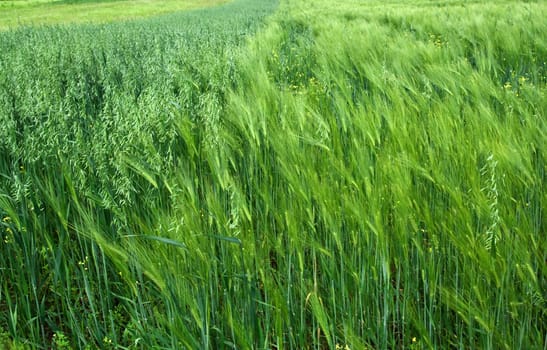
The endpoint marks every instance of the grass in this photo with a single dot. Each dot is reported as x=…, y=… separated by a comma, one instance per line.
x=154, y=77
x=365, y=175
x=15, y=13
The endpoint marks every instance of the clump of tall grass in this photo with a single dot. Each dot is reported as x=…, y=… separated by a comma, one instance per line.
x=90, y=141
x=410, y=170
x=358, y=176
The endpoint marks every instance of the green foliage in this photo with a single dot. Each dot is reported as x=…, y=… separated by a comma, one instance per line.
x=16, y=13
x=359, y=175
x=91, y=118
x=60, y=341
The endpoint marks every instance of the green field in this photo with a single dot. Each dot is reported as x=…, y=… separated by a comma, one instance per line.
x=14, y=13
x=301, y=175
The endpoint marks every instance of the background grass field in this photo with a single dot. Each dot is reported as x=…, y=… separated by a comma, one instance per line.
x=362, y=175
x=15, y=13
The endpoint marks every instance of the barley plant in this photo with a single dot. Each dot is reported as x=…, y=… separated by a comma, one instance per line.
x=340, y=175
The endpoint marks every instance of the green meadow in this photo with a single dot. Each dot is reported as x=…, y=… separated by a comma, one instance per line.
x=14, y=13
x=263, y=175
